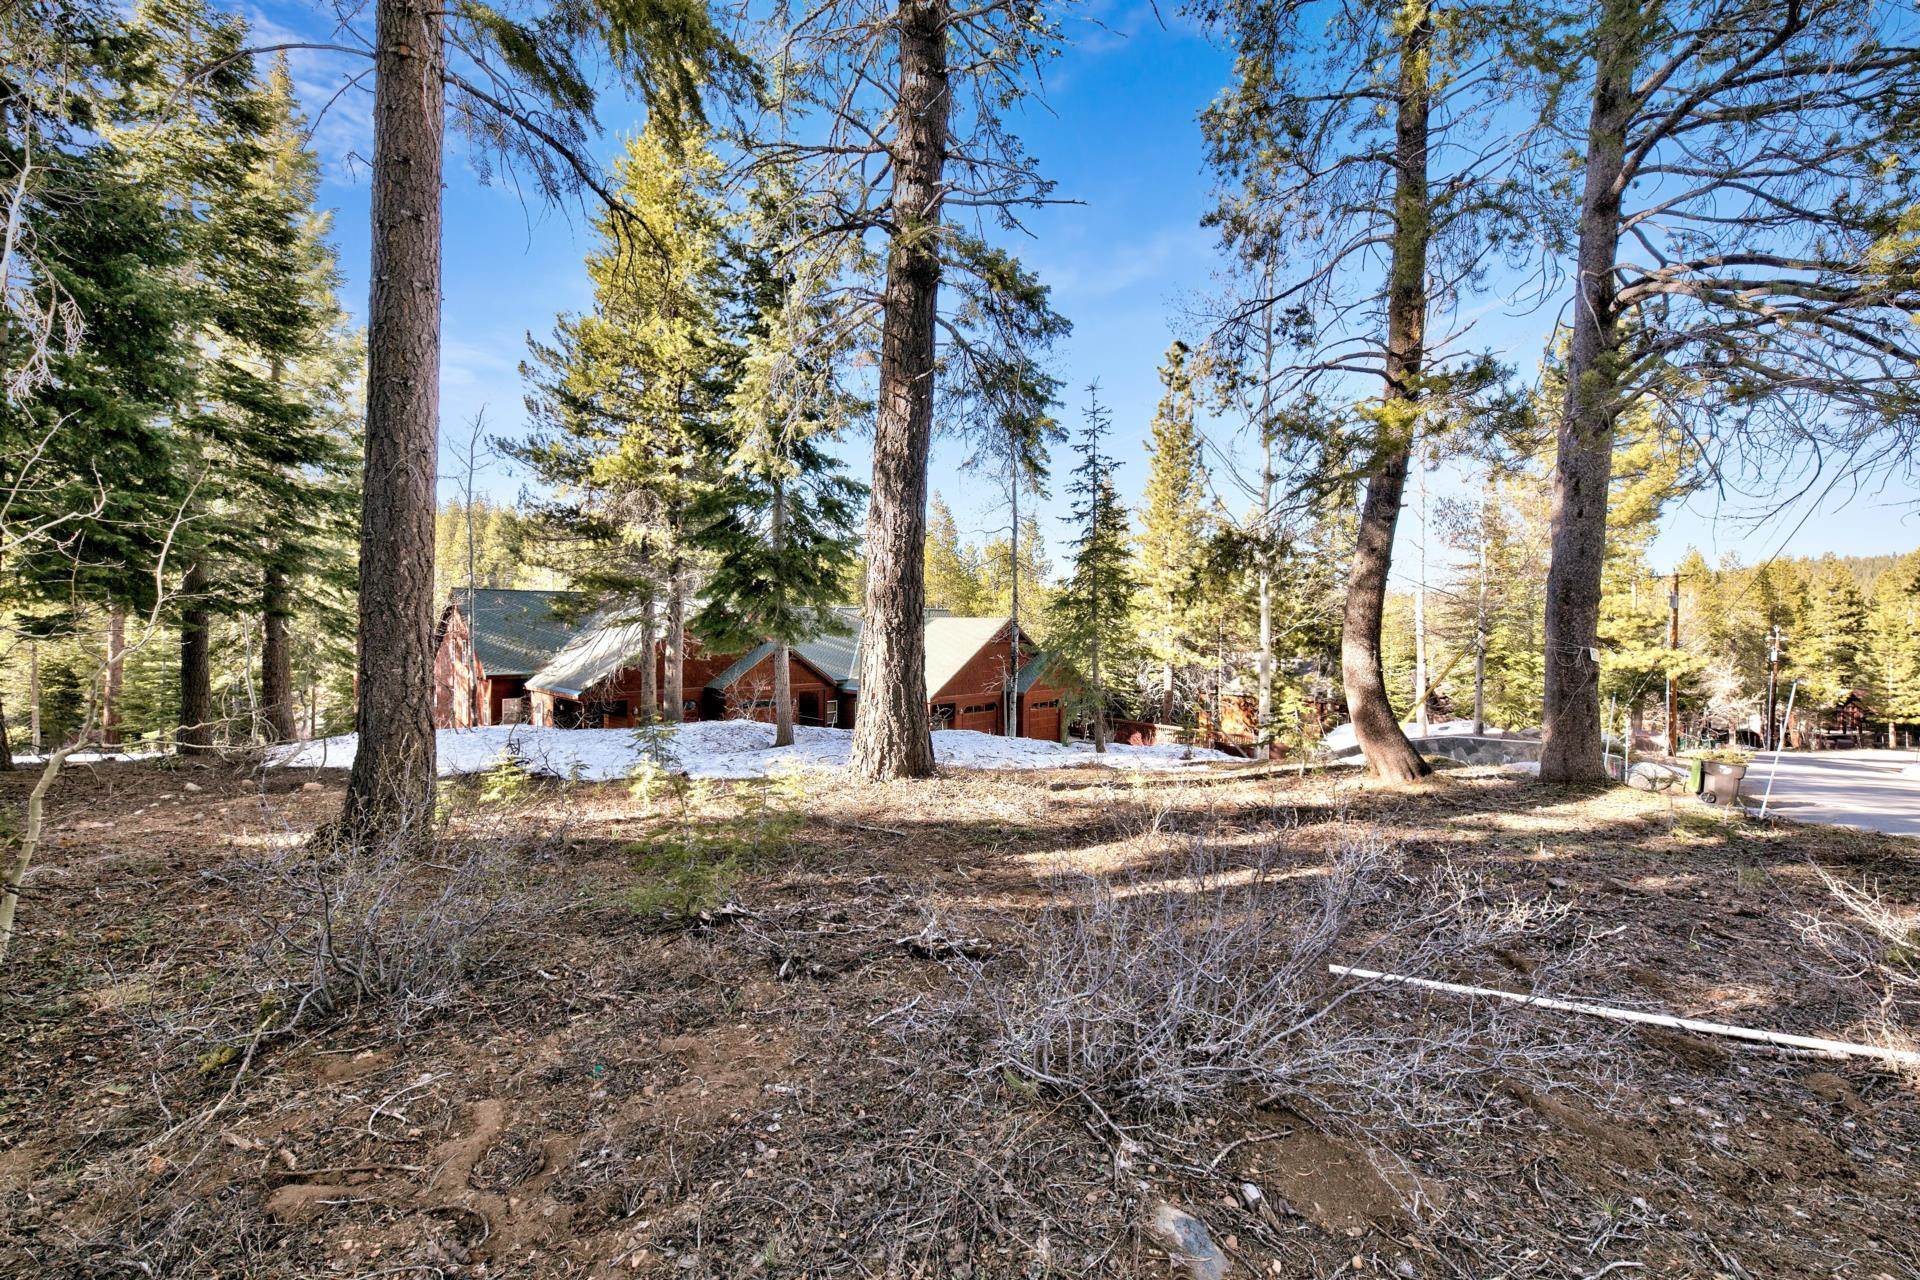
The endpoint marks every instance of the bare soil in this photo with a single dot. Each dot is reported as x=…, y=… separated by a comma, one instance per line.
x=757, y=1091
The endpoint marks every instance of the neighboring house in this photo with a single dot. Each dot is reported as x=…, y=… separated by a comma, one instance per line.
x=595, y=679
x=489, y=642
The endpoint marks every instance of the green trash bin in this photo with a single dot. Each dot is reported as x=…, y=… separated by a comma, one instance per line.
x=1696, y=776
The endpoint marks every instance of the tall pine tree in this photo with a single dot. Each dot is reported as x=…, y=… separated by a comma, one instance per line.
x=1088, y=625
x=1172, y=529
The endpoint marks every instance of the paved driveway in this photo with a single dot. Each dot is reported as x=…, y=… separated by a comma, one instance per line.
x=1871, y=788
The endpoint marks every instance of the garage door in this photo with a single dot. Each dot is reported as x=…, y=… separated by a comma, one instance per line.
x=983, y=717
x=1042, y=720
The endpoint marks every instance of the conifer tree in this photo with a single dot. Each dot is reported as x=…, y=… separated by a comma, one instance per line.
x=1172, y=529
x=1087, y=625
x=630, y=399
x=1829, y=651
x=779, y=522
x=1890, y=649
x=1741, y=249
x=955, y=575
x=903, y=108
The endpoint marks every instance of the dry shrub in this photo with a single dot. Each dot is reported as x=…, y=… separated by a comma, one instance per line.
x=1876, y=941
x=1171, y=994
x=399, y=925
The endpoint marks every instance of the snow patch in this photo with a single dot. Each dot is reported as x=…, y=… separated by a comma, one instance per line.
x=1342, y=740
x=728, y=749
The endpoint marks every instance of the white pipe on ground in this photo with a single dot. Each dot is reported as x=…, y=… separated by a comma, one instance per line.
x=1816, y=1044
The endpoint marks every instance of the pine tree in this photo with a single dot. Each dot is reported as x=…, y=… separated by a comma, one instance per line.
x=1172, y=528
x=631, y=398
x=955, y=574
x=1088, y=623
x=1890, y=649
x=1829, y=649
x=779, y=523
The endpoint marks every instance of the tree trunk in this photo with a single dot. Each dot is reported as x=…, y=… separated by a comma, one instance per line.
x=1013, y=683
x=276, y=656
x=890, y=737
x=1571, y=750
x=1099, y=695
x=116, y=675
x=651, y=664
x=6, y=744
x=782, y=695
x=33, y=693
x=195, y=732
x=390, y=791
x=1480, y=643
x=673, y=687
x=1389, y=755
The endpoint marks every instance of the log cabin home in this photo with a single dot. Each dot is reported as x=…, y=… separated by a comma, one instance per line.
x=593, y=676
x=490, y=640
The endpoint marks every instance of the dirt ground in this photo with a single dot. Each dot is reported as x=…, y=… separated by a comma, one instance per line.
x=761, y=1087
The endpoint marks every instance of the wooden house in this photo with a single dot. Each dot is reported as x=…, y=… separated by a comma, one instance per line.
x=490, y=640
x=595, y=679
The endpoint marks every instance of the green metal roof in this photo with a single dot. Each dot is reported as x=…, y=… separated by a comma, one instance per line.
x=1031, y=671
x=515, y=633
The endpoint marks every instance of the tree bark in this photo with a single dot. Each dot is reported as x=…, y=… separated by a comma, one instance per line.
x=1572, y=749
x=651, y=664
x=116, y=675
x=891, y=737
x=673, y=686
x=1013, y=648
x=390, y=791
x=276, y=656
x=782, y=695
x=1390, y=756
x=195, y=732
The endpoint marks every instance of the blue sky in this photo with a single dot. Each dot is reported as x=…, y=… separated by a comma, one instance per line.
x=1116, y=132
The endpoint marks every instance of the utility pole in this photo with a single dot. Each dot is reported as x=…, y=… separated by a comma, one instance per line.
x=1673, y=644
x=1773, y=681
x=1480, y=643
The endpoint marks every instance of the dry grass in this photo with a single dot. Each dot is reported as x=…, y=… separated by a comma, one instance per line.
x=1122, y=1001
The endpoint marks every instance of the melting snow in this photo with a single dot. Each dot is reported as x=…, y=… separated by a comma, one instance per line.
x=729, y=749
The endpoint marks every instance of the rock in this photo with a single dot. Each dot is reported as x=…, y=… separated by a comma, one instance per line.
x=191, y=786
x=1186, y=1238
x=313, y=786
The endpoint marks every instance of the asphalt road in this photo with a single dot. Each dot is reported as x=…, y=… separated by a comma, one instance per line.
x=1870, y=788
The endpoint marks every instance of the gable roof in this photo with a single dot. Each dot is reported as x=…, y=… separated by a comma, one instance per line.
x=601, y=650
x=595, y=654
x=1040, y=664
x=809, y=654
x=952, y=644
x=515, y=633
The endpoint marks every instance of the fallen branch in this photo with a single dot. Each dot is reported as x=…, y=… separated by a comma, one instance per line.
x=1816, y=1044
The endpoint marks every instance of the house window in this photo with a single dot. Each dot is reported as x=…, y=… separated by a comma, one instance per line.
x=1042, y=706
x=616, y=708
x=979, y=710
x=833, y=712
x=943, y=715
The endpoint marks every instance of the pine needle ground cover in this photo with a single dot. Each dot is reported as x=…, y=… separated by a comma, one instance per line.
x=986, y=1025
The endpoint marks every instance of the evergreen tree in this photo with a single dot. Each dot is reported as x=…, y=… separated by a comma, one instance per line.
x=955, y=574
x=1830, y=644
x=1172, y=529
x=631, y=399
x=1088, y=624
x=1890, y=648
x=780, y=520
